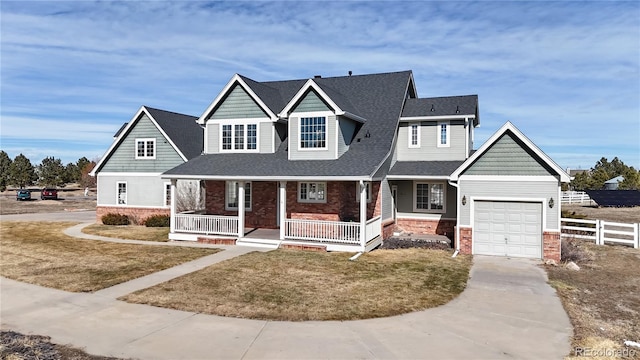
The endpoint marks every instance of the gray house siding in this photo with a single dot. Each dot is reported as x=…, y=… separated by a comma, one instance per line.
x=213, y=138
x=123, y=158
x=510, y=191
x=507, y=157
x=265, y=137
x=265, y=134
x=294, y=141
x=429, y=149
x=311, y=102
x=405, y=199
x=238, y=105
x=347, y=129
x=142, y=191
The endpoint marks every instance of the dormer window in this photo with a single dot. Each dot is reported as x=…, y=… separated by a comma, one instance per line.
x=239, y=137
x=313, y=132
x=146, y=148
x=414, y=135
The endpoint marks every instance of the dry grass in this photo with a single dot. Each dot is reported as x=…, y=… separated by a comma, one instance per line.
x=131, y=232
x=603, y=298
x=622, y=214
x=298, y=286
x=39, y=253
x=17, y=346
x=67, y=200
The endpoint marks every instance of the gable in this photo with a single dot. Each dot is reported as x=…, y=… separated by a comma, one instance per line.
x=311, y=102
x=508, y=156
x=238, y=105
x=122, y=159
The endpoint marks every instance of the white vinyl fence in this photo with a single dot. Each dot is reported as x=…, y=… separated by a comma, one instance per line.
x=575, y=197
x=602, y=232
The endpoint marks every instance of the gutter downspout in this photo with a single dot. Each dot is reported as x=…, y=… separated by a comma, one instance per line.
x=457, y=217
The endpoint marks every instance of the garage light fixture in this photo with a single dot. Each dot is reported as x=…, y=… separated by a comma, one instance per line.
x=464, y=200
x=551, y=203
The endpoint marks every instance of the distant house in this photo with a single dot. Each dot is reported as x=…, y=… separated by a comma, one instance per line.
x=129, y=174
x=612, y=184
x=344, y=162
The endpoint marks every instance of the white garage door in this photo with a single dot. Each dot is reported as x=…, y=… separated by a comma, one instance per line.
x=508, y=229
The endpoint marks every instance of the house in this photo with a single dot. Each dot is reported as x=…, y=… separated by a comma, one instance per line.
x=129, y=174
x=343, y=162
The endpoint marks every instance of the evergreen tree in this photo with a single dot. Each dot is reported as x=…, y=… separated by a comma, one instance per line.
x=5, y=166
x=51, y=172
x=21, y=172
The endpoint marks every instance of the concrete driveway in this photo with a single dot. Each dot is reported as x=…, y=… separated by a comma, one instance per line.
x=507, y=311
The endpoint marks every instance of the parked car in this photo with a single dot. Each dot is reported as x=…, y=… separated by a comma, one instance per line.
x=49, y=193
x=23, y=194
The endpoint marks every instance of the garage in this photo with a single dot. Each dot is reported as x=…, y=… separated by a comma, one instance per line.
x=508, y=228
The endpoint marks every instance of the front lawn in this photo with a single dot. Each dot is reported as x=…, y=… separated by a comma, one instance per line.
x=39, y=253
x=130, y=232
x=602, y=299
x=298, y=285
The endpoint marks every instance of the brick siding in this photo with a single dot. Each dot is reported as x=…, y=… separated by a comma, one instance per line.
x=465, y=240
x=427, y=226
x=551, y=246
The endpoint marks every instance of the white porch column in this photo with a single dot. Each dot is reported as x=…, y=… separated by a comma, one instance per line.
x=241, y=209
x=172, y=218
x=363, y=214
x=282, y=188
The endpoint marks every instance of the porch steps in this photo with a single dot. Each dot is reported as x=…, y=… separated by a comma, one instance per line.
x=261, y=243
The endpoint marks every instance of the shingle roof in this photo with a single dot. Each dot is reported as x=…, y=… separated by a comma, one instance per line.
x=439, y=106
x=183, y=130
x=378, y=98
x=424, y=168
x=120, y=130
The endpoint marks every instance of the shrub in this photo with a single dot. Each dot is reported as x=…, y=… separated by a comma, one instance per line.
x=157, y=221
x=115, y=219
x=571, y=250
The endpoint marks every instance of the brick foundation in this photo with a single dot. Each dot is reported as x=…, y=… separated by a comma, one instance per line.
x=427, y=226
x=465, y=240
x=217, y=241
x=136, y=215
x=318, y=248
x=388, y=228
x=551, y=246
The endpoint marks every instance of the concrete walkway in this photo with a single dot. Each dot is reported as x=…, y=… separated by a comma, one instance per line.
x=507, y=311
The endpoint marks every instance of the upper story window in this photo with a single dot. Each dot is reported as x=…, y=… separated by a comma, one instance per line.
x=239, y=137
x=414, y=135
x=146, y=148
x=312, y=192
x=313, y=132
x=429, y=197
x=443, y=134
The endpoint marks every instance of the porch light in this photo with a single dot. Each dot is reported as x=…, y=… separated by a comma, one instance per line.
x=551, y=203
x=464, y=200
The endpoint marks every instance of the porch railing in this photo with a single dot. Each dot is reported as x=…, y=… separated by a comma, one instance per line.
x=373, y=228
x=323, y=231
x=207, y=224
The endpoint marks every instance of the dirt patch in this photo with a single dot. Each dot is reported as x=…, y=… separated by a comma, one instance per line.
x=602, y=299
x=17, y=346
x=68, y=200
x=621, y=214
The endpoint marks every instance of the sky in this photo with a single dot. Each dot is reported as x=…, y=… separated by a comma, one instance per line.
x=567, y=74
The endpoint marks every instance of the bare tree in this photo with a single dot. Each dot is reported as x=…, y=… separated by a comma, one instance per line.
x=189, y=196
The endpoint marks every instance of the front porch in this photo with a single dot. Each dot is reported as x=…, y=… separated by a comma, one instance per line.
x=292, y=227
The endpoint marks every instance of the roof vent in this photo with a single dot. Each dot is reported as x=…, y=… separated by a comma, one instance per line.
x=457, y=109
x=433, y=108
x=317, y=76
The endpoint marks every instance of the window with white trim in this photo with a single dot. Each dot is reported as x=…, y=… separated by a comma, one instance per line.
x=239, y=137
x=146, y=148
x=312, y=192
x=313, y=132
x=443, y=134
x=121, y=193
x=231, y=198
x=368, y=186
x=414, y=135
x=167, y=194
x=429, y=197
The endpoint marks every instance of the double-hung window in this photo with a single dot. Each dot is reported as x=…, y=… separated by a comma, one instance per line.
x=313, y=132
x=231, y=201
x=167, y=194
x=443, y=134
x=146, y=148
x=414, y=135
x=429, y=197
x=312, y=192
x=121, y=193
x=239, y=137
